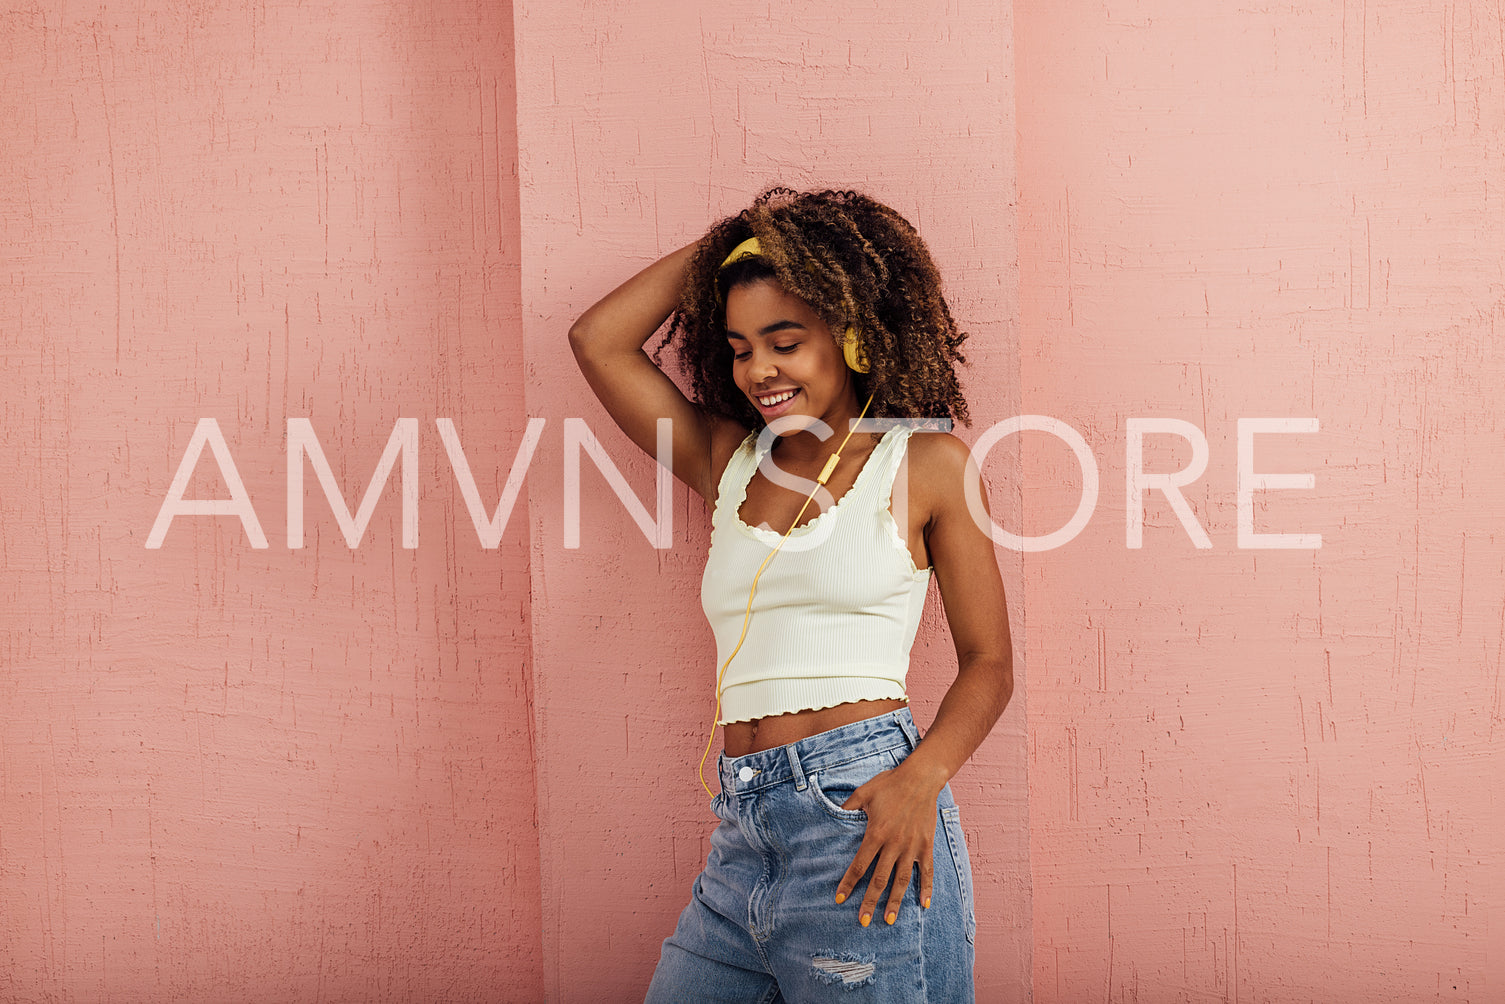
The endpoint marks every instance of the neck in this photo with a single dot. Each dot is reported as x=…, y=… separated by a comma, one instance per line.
x=807, y=445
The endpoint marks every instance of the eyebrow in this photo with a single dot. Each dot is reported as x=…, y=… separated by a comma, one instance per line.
x=770, y=329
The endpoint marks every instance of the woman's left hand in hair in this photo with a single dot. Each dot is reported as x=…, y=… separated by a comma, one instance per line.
x=901, y=813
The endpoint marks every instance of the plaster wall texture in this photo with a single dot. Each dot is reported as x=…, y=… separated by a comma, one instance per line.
x=1267, y=774
x=457, y=772
x=229, y=773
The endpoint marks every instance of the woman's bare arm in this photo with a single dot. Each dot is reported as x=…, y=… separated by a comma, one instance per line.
x=608, y=342
x=901, y=803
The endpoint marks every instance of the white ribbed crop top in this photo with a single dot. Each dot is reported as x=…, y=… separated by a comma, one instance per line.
x=836, y=609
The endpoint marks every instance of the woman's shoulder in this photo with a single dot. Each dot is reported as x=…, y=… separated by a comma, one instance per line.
x=727, y=436
x=940, y=465
x=937, y=453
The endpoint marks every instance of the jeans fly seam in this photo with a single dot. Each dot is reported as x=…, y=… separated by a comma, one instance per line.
x=758, y=902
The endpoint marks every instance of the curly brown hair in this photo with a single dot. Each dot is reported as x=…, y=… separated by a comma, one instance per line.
x=856, y=262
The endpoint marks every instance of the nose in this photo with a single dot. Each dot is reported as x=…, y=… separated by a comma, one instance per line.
x=761, y=366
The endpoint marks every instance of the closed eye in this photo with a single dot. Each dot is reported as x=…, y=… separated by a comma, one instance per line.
x=781, y=349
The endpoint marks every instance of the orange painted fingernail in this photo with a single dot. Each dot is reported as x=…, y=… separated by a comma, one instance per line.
x=867, y=919
x=891, y=917
x=927, y=902
x=841, y=897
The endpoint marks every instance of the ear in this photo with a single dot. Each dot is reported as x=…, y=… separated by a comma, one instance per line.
x=851, y=348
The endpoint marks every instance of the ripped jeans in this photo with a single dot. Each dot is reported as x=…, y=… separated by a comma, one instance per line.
x=763, y=925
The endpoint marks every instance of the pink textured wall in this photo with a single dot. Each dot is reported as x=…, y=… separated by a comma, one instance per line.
x=1268, y=774
x=638, y=126
x=229, y=773
x=239, y=773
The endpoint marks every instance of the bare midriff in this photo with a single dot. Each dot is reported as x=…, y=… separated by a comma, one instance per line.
x=768, y=733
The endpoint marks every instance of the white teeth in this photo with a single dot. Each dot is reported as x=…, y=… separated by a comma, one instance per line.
x=769, y=402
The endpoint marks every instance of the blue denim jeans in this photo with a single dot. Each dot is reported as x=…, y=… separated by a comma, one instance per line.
x=763, y=924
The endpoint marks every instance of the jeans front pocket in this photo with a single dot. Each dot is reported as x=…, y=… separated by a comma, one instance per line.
x=834, y=785
x=951, y=823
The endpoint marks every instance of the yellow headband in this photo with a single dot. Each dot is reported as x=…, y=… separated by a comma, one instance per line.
x=749, y=248
x=851, y=345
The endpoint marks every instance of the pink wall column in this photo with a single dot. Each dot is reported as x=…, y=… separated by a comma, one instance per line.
x=638, y=126
x=229, y=773
x=1267, y=774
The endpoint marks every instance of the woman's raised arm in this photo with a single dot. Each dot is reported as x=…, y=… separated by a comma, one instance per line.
x=608, y=342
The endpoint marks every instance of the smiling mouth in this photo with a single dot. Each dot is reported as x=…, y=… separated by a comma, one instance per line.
x=776, y=399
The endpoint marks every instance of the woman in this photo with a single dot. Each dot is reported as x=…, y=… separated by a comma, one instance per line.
x=812, y=325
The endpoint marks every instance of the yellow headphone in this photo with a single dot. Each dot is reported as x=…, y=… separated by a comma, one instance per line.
x=851, y=349
x=850, y=342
